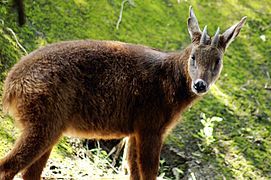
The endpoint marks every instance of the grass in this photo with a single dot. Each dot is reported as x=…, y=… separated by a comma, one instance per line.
x=241, y=145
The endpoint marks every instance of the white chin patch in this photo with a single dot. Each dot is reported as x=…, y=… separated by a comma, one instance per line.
x=199, y=94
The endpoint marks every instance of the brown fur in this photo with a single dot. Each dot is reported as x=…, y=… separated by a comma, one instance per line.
x=98, y=89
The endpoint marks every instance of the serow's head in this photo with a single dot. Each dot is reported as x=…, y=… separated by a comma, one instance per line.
x=205, y=61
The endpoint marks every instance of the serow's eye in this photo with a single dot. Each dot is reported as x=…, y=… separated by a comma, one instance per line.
x=193, y=60
x=216, y=63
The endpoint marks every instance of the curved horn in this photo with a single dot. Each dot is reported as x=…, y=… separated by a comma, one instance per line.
x=215, y=39
x=203, y=36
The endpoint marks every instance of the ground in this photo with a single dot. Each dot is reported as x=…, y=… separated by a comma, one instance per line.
x=225, y=135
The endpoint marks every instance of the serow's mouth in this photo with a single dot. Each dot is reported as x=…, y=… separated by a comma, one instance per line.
x=199, y=93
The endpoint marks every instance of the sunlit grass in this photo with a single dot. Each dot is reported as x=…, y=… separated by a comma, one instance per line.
x=223, y=98
x=236, y=161
x=80, y=2
x=228, y=101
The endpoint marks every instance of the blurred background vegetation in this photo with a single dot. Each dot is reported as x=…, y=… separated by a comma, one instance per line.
x=227, y=135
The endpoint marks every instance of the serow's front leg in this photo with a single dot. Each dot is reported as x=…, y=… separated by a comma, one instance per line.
x=149, y=147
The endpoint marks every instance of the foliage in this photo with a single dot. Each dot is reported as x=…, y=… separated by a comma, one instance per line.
x=240, y=145
x=206, y=133
x=84, y=164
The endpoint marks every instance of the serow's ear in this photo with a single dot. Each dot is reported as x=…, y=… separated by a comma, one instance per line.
x=230, y=34
x=192, y=23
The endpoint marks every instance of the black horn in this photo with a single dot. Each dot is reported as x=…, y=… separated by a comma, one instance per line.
x=216, y=38
x=203, y=38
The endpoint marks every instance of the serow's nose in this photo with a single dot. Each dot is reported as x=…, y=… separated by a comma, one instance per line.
x=200, y=86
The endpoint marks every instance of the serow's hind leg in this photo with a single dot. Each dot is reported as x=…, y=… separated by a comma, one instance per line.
x=33, y=143
x=34, y=171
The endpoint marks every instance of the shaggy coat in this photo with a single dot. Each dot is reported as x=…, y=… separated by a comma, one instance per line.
x=97, y=89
